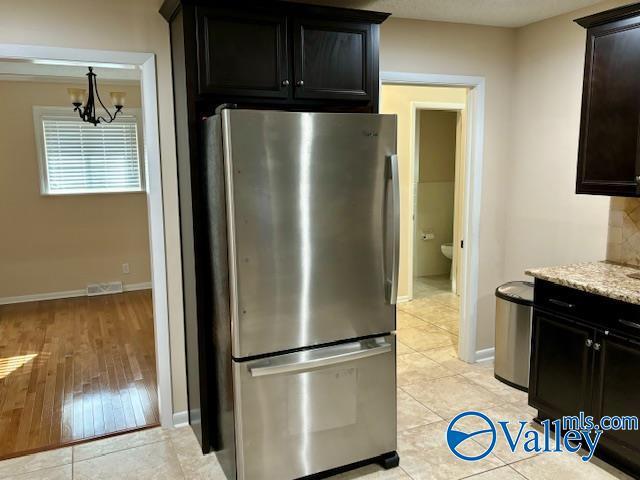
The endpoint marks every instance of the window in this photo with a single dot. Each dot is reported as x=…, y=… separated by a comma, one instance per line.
x=78, y=158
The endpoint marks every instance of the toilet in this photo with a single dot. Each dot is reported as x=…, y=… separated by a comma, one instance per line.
x=447, y=250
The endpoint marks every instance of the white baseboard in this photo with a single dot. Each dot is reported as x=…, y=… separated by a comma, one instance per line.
x=66, y=294
x=486, y=355
x=403, y=299
x=181, y=419
x=132, y=287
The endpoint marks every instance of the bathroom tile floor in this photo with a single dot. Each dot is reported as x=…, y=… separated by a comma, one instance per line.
x=431, y=285
x=433, y=386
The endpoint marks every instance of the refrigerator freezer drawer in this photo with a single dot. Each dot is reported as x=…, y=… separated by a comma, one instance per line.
x=310, y=411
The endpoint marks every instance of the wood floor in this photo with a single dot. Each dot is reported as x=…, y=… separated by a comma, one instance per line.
x=75, y=369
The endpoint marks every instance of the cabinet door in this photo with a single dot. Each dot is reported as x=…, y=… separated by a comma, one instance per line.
x=561, y=362
x=608, y=157
x=332, y=60
x=242, y=54
x=616, y=391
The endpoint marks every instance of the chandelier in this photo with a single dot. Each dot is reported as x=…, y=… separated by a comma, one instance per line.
x=88, y=111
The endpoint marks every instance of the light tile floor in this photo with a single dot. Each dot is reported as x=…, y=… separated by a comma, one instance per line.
x=429, y=285
x=433, y=386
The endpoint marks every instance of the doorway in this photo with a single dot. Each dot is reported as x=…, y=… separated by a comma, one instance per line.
x=438, y=193
x=110, y=352
x=470, y=92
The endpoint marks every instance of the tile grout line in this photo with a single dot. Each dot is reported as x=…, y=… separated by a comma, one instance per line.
x=520, y=460
x=406, y=473
x=425, y=406
x=173, y=448
x=453, y=374
x=121, y=449
x=435, y=300
x=414, y=315
x=517, y=472
x=431, y=299
x=469, y=381
x=493, y=470
x=36, y=470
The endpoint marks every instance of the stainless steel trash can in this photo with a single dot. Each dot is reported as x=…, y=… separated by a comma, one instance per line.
x=514, y=301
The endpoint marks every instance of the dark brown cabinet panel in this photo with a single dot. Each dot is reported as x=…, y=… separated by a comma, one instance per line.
x=242, y=54
x=585, y=359
x=608, y=154
x=616, y=391
x=332, y=60
x=560, y=365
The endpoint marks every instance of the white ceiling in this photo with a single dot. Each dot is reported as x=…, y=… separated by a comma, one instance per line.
x=67, y=72
x=503, y=13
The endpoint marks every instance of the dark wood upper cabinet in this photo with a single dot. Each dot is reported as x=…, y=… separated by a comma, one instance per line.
x=275, y=54
x=332, y=59
x=609, y=148
x=250, y=53
x=243, y=54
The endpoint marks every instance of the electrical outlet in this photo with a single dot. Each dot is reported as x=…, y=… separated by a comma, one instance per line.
x=125, y=268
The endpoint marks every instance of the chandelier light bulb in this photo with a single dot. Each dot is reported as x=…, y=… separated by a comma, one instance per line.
x=77, y=95
x=117, y=99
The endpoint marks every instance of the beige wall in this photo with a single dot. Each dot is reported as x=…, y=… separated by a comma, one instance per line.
x=409, y=46
x=546, y=222
x=396, y=99
x=435, y=189
x=438, y=144
x=445, y=48
x=60, y=243
x=530, y=215
x=127, y=26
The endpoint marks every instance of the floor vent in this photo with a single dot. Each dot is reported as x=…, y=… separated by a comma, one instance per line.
x=94, y=289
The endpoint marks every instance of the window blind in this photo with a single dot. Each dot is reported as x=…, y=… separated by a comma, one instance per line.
x=82, y=158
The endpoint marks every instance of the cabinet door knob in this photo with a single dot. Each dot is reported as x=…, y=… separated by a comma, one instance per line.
x=588, y=343
x=300, y=83
x=285, y=83
x=596, y=347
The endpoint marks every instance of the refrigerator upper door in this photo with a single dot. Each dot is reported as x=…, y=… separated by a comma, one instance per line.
x=312, y=224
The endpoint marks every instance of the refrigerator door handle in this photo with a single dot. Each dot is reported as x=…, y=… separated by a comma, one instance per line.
x=395, y=200
x=291, y=367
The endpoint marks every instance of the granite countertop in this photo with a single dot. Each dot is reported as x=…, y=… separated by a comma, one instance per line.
x=602, y=278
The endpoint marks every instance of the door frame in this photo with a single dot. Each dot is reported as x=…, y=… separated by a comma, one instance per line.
x=473, y=163
x=414, y=139
x=146, y=62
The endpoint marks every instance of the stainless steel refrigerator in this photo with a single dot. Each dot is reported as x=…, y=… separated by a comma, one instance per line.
x=304, y=232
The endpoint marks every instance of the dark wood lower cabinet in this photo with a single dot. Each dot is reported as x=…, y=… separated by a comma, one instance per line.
x=561, y=365
x=616, y=391
x=581, y=362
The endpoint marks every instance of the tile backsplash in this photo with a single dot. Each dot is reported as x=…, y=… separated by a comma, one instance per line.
x=623, y=241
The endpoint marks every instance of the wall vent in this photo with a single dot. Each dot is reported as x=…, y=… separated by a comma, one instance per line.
x=94, y=289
